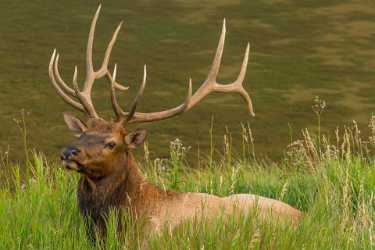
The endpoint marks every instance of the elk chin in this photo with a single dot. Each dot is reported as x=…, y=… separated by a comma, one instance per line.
x=73, y=166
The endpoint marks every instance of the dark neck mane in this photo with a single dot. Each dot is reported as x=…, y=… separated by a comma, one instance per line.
x=127, y=176
x=125, y=188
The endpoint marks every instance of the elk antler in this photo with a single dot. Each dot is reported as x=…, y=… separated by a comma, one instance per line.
x=82, y=100
x=208, y=86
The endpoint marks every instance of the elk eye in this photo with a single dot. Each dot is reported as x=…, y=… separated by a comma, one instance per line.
x=110, y=145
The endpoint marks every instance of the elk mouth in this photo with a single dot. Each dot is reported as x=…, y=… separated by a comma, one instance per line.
x=73, y=165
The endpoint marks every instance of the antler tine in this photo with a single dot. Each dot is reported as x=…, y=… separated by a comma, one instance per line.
x=130, y=115
x=104, y=68
x=208, y=86
x=65, y=87
x=119, y=112
x=61, y=92
x=242, y=74
x=156, y=116
x=210, y=83
x=240, y=79
x=116, y=107
x=90, y=43
x=117, y=85
x=190, y=93
x=75, y=82
x=215, y=67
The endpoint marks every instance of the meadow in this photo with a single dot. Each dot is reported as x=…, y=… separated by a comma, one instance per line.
x=331, y=180
x=300, y=49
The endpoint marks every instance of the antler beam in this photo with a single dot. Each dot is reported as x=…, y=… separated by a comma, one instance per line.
x=208, y=86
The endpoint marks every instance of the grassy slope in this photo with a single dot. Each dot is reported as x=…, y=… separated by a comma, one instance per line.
x=337, y=199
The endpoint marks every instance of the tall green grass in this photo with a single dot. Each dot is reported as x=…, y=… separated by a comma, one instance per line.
x=333, y=183
x=39, y=210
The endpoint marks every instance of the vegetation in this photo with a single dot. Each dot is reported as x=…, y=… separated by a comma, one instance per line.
x=332, y=184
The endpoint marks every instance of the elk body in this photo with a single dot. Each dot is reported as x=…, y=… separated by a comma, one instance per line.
x=102, y=154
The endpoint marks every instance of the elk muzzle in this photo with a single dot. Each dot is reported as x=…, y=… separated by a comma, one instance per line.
x=68, y=156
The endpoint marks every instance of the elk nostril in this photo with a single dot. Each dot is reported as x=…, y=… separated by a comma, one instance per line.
x=75, y=151
x=69, y=151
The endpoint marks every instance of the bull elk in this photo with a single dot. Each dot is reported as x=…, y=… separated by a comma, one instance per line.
x=110, y=177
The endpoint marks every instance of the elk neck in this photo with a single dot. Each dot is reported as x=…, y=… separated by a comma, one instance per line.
x=126, y=174
x=126, y=186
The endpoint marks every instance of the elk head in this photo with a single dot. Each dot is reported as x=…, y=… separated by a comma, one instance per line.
x=103, y=144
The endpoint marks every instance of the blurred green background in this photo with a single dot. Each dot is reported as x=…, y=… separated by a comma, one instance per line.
x=299, y=49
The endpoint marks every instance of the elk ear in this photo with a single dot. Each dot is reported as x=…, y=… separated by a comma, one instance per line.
x=74, y=124
x=135, y=138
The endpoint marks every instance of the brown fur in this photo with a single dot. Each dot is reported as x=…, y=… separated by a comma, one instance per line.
x=112, y=180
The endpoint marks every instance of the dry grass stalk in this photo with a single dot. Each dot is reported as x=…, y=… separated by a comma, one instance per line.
x=248, y=148
x=255, y=240
x=372, y=130
x=309, y=151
